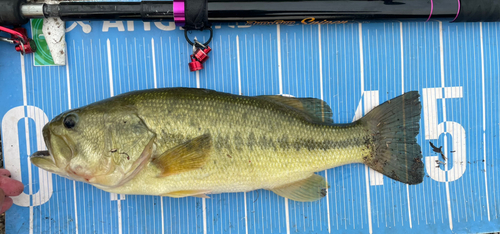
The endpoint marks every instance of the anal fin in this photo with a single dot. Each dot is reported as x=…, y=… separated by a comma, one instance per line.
x=190, y=155
x=309, y=189
x=188, y=193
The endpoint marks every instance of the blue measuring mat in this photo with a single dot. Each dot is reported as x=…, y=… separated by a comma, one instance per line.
x=353, y=67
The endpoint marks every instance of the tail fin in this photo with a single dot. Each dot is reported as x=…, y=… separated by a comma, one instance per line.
x=393, y=126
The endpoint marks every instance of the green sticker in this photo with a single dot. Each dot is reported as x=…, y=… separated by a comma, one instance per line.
x=42, y=54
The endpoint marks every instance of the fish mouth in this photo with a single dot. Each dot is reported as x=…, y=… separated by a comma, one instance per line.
x=44, y=160
x=41, y=153
x=56, y=156
x=46, y=138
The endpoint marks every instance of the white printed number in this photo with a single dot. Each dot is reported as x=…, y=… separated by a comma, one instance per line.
x=452, y=169
x=13, y=154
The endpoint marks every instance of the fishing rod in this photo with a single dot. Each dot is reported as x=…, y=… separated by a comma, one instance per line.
x=199, y=14
x=18, y=12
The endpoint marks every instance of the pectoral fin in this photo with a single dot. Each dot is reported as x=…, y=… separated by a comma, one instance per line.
x=188, y=193
x=190, y=155
x=310, y=189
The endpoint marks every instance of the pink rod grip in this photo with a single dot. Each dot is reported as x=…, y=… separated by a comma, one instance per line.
x=179, y=13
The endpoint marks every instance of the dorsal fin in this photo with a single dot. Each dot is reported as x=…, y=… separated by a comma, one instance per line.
x=316, y=109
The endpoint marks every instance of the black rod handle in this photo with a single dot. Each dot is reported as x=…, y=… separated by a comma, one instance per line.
x=10, y=12
x=479, y=11
x=241, y=10
x=145, y=10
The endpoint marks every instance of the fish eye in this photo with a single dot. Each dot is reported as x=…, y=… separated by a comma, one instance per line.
x=70, y=121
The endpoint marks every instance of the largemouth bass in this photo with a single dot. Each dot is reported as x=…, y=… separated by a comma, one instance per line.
x=180, y=142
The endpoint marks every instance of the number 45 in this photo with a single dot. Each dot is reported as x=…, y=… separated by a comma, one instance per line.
x=455, y=168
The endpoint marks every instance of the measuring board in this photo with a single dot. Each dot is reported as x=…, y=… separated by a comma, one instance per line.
x=352, y=66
